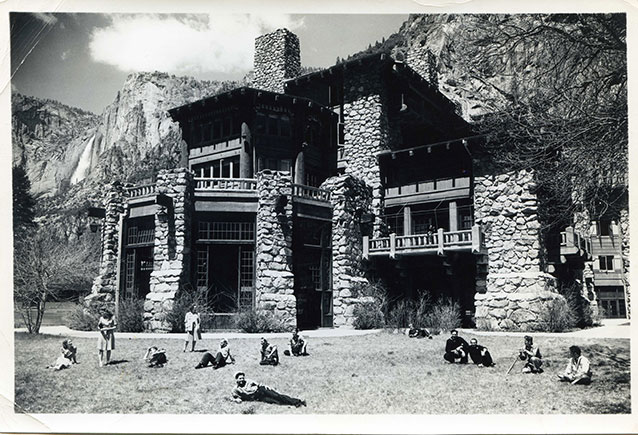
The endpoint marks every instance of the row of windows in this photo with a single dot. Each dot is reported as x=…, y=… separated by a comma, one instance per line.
x=216, y=129
x=238, y=231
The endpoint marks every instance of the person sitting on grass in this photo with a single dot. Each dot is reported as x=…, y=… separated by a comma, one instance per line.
x=455, y=348
x=67, y=358
x=479, y=354
x=577, y=370
x=247, y=390
x=413, y=332
x=532, y=355
x=268, y=354
x=156, y=357
x=297, y=346
x=221, y=358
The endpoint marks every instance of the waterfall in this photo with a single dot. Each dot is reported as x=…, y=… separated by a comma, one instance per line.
x=84, y=163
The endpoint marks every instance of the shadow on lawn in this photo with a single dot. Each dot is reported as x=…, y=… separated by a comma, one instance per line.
x=118, y=361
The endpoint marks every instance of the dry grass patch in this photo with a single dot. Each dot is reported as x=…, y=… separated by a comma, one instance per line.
x=381, y=373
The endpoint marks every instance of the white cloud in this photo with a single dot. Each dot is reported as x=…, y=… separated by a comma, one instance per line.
x=183, y=44
x=65, y=54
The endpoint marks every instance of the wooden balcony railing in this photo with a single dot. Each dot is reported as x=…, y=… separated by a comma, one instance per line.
x=573, y=243
x=309, y=192
x=429, y=186
x=139, y=191
x=235, y=184
x=431, y=243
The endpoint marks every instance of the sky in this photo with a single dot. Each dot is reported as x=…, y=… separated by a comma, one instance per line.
x=83, y=59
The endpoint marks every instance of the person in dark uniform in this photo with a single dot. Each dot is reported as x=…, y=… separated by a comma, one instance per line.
x=268, y=355
x=532, y=355
x=456, y=348
x=479, y=354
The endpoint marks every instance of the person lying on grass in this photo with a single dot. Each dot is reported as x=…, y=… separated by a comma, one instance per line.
x=455, y=348
x=221, y=358
x=479, y=354
x=578, y=370
x=247, y=390
x=297, y=346
x=67, y=358
x=156, y=357
x=268, y=353
x=413, y=332
x=532, y=354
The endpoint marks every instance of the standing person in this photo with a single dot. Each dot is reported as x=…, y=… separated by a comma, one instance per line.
x=221, y=358
x=479, y=354
x=455, y=348
x=67, y=357
x=268, y=353
x=578, y=370
x=192, y=326
x=246, y=390
x=297, y=346
x=106, y=339
x=532, y=354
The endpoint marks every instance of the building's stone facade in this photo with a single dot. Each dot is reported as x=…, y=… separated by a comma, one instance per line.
x=623, y=225
x=423, y=61
x=171, y=253
x=350, y=199
x=367, y=130
x=277, y=59
x=274, y=283
x=517, y=287
x=104, y=291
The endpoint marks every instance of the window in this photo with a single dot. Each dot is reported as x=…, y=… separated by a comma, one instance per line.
x=606, y=262
x=604, y=227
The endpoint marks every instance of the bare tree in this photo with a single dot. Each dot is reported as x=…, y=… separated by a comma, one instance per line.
x=44, y=265
x=555, y=90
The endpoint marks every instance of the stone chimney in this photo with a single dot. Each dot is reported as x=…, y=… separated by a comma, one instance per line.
x=421, y=59
x=276, y=59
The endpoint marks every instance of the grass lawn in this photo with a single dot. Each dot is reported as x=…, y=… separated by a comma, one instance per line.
x=379, y=373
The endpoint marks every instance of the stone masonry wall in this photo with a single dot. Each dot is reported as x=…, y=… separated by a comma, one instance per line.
x=517, y=289
x=423, y=61
x=623, y=223
x=171, y=253
x=350, y=198
x=104, y=287
x=277, y=59
x=366, y=130
x=274, y=284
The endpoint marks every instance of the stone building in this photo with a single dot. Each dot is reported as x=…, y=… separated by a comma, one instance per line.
x=298, y=189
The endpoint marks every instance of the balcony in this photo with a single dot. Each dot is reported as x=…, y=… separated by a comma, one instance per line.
x=141, y=191
x=574, y=244
x=311, y=193
x=430, y=190
x=434, y=243
x=225, y=184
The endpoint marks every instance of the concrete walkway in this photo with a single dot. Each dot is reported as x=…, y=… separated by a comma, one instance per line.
x=610, y=328
x=322, y=332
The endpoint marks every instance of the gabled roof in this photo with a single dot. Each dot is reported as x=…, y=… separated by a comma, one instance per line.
x=257, y=95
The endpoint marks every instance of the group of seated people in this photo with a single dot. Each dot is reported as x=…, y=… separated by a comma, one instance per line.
x=578, y=370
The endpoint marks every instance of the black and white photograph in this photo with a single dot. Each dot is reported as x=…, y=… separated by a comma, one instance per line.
x=383, y=220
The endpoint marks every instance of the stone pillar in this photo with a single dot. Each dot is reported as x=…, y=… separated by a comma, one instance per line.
x=274, y=283
x=350, y=198
x=277, y=59
x=366, y=129
x=517, y=289
x=407, y=220
x=104, y=290
x=171, y=253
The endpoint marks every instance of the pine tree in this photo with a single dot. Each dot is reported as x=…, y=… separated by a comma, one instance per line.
x=23, y=201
